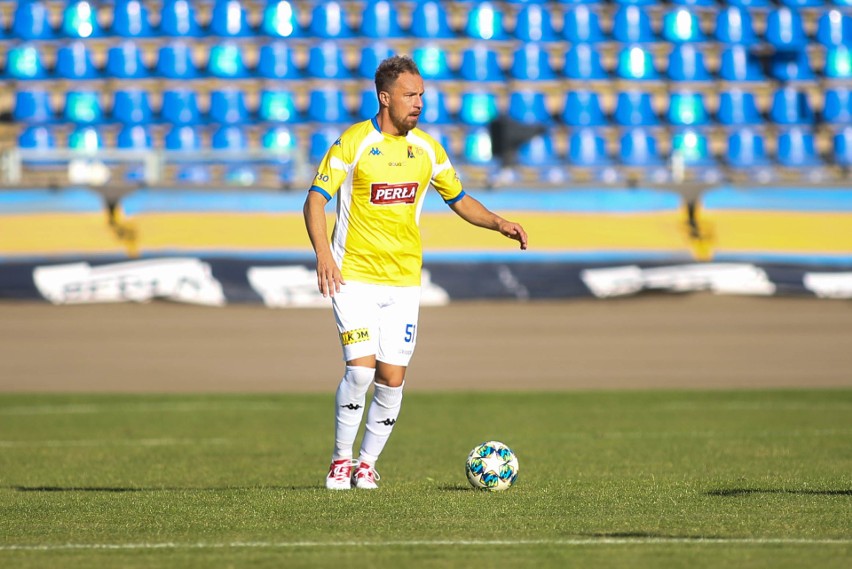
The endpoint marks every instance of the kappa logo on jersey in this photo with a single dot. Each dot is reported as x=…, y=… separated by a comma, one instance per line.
x=375, y=151
x=383, y=194
x=355, y=336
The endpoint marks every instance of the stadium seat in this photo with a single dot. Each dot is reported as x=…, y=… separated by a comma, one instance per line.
x=476, y=148
x=278, y=106
x=430, y=21
x=31, y=21
x=85, y=139
x=834, y=28
x=83, y=107
x=838, y=63
x=587, y=149
x=434, y=108
x=226, y=61
x=371, y=55
x=532, y=24
x=485, y=22
x=37, y=138
x=791, y=66
x=636, y=63
x=734, y=26
x=632, y=25
x=539, y=153
x=478, y=108
x=32, y=106
x=785, y=30
x=638, y=149
x=643, y=3
x=796, y=149
x=799, y=4
x=233, y=139
x=761, y=5
x=682, y=25
x=582, y=25
x=230, y=20
x=180, y=107
x=791, y=106
x=321, y=141
x=280, y=20
x=75, y=61
x=178, y=19
x=24, y=62
x=328, y=106
x=134, y=137
x=124, y=61
x=691, y=145
x=583, y=63
x=228, y=107
x=479, y=63
x=583, y=109
x=687, y=109
x=368, y=104
x=277, y=60
x=328, y=21
x=842, y=148
x=326, y=61
x=132, y=106
x=175, y=61
x=737, y=108
x=185, y=138
x=837, y=106
x=281, y=144
x=431, y=60
x=529, y=107
x=531, y=62
x=633, y=108
x=380, y=19
x=80, y=20
x=131, y=20
x=739, y=65
x=686, y=65
x=746, y=150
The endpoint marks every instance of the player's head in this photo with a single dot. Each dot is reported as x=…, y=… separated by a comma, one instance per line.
x=399, y=88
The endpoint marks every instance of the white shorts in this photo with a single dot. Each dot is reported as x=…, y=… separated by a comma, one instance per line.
x=377, y=320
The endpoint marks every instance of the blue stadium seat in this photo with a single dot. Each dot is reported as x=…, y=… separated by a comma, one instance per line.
x=368, y=105
x=587, y=149
x=226, y=61
x=539, y=153
x=734, y=26
x=583, y=62
x=178, y=19
x=739, y=65
x=583, y=109
x=837, y=106
x=184, y=138
x=278, y=106
x=175, y=61
x=280, y=20
x=533, y=24
x=687, y=109
x=430, y=21
x=131, y=20
x=36, y=138
x=636, y=63
x=232, y=138
x=83, y=107
x=791, y=106
x=529, y=107
x=124, y=61
x=682, y=25
x=24, y=62
x=791, y=66
x=132, y=106
x=644, y=3
x=230, y=20
x=485, y=22
x=180, y=107
x=834, y=28
x=328, y=106
x=228, y=107
x=371, y=55
x=582, y=25
x=799, y=4
x=761, y=5
x=31, y=21
x=476, y=148
x=479, y=63
x=634, y=108
x=435, y=108
x=796, y=149
x=80, y=20
x=380, y=19
x=281, y=143
x=75, y=61
x=478, y=108
x=321, y=141
x=842, y=151
x=638, y=149
x=838, y=63
x=531, y=62
x=277, y=60
x=85, y=139
x=328, y=21
x=33, y=106
x=632, y=25
x=746, y=150
x=431, y=60
x=738, y=108
x=785, y=30
x=134, y=137
x=325, y=61
x=692, y=146
x=686, y=65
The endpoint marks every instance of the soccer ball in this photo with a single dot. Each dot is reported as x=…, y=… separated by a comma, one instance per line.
x=491, y=466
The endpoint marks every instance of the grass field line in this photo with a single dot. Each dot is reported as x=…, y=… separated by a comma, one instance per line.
x=84, y=408
x=113, y=442
x=577, y=541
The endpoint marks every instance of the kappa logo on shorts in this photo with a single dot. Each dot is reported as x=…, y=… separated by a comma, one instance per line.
x=384, y=194
x=354, y=336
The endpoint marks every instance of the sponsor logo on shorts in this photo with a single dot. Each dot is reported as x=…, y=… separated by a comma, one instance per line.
x=384, y=194
x=354, y=336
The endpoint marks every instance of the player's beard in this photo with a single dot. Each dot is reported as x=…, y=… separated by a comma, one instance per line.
x=405, y=123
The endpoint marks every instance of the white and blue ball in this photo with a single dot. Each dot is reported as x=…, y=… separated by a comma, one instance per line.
x=492, y=466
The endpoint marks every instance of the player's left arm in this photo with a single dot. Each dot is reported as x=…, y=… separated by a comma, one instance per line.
x=472, y=211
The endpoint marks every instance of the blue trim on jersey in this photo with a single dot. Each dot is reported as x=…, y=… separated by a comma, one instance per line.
x=455, y=199
x=375, y=121
x=321, y=191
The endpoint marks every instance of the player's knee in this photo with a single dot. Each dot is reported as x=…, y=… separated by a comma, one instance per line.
x=360, y=377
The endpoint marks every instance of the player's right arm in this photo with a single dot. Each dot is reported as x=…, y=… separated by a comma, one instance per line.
x=329, y=277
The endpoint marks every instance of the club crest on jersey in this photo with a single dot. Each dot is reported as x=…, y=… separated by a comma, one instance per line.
x=385, y=194
x=410, y=152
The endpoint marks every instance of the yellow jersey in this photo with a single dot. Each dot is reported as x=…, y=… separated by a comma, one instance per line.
x=380, y=181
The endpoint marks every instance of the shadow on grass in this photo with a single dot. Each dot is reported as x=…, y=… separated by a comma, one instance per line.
x=121, y=489
x=797, y=491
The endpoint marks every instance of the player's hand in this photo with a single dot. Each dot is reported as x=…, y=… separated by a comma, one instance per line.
x=514, y=231
x=329, y=277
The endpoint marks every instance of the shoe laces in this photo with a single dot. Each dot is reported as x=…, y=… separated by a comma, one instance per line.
x=368, y=472
x=342, y=469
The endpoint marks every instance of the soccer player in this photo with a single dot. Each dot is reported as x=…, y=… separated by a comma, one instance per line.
x=380, y=170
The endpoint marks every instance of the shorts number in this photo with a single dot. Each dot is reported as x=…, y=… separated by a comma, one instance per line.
x=410, y=332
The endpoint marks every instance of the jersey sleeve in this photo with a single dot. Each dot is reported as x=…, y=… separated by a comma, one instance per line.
x=332, y=170
x=445, y=179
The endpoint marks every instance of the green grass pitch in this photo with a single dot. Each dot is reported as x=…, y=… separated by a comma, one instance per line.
x=607, y=479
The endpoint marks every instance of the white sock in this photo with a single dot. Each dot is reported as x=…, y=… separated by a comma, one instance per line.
x=350, y=401
x=381, y=418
